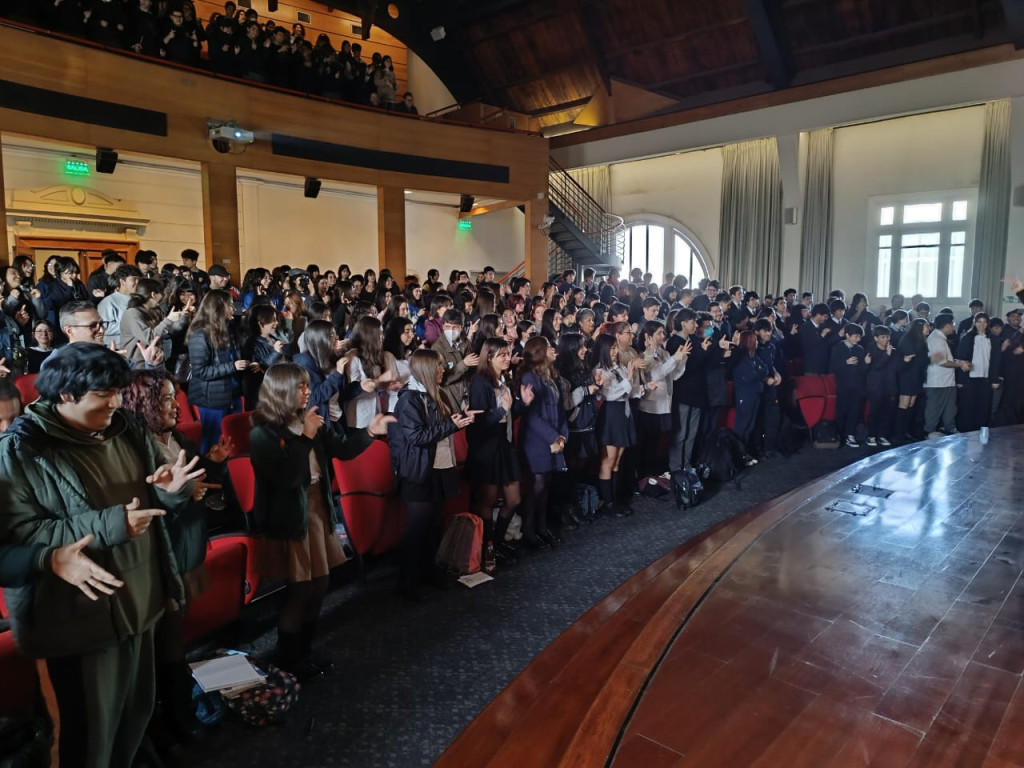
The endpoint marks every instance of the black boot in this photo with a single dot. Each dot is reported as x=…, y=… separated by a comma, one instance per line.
x=289, y=652
x=606, y=492
x=317, y=663
x=901, y=427
x=624, y=501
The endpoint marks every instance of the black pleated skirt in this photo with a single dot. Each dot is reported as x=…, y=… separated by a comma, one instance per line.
x=615, y=426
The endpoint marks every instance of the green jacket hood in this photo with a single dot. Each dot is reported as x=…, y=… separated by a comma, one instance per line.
x=44, y=414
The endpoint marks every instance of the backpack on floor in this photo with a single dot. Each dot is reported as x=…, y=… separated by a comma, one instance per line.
x=461, y=545
x=586, y=499
x=792, y=436
x=686, y=488
x=268, y=703
x=654, y=487
x=723, y=456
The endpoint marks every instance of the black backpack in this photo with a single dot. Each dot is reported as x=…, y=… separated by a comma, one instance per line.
x=723, y=454
x=686, y=487
x=826, y=435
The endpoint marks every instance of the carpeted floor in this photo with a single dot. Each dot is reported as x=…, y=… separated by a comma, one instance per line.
x=410, y=677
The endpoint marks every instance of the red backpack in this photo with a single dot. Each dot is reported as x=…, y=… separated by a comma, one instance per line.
x=462, y=545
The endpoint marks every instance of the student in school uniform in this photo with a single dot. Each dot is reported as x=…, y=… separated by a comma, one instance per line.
x=881, y=388
x=849, y=365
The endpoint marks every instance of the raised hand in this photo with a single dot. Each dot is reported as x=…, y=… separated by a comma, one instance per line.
x=279, y=346
x=908, y=358
x=152, y=353
x=241, y=365
x=463, y=420
x=312, y=422
x=867, y=359
x=472, y=360
x=220, y=452
x=826, y=331
x=684, y=350
x=368, y=385
x=851, y=360
x=171, y=478
x=378, y=426
x=139, y=519
x=70, y=564
x=4, y=370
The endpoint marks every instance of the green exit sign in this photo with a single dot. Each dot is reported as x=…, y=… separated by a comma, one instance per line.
x=76, y=168
x=465, y=224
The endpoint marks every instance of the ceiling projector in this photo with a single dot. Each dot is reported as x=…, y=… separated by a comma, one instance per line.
x=232, y=133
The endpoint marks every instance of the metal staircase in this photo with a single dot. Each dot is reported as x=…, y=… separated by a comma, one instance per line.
x=581, y=229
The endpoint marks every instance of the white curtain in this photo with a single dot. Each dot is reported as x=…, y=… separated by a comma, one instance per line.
x=993, y=207
x=596, y=180
x=751, y=226
x=816, y=241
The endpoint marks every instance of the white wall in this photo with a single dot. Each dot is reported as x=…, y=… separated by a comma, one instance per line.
x=168, y=193
x=429, y=92
x=686, y=188
x=279, y=226
x=433, y=240
x=922, y=153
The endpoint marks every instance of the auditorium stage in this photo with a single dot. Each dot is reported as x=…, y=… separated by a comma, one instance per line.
x=801, y=635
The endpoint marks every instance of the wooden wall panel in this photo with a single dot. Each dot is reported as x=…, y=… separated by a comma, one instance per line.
x=190, y=97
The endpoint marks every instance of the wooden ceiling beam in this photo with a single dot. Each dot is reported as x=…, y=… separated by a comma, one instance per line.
x=1014, y=12
x=587, y=14
x=681, y=37
x=765, y=18
x=564, y=106
x=528, y=20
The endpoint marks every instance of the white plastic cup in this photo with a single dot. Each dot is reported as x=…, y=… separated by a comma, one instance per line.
x=984, y=435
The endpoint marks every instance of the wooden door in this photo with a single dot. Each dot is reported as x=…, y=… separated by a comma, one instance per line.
x=89, y=253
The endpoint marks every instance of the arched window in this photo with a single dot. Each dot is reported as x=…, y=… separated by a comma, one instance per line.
x=662, y=246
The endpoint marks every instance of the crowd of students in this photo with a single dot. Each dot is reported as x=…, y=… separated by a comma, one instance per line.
x=235, y=42
x=609, y=383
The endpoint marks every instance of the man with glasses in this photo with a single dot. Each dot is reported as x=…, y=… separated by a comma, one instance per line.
x=82, y=324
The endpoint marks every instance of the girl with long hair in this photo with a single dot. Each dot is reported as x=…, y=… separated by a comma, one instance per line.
x=654, y=411
x=368, y=361
x=543, y=433
x=326, y=369
x=978, y=380
x=398, y=306
x=615, y=428
x=911, y=369
x=144, y=320
x=215, y=387
x=257, y=282
x=423, y=457
x=263, y=348
x=491, y=462
x=400, y=341
x=295, y=509
x=749, y=377
x=486, y=328
x=551, y=325
x=295, y=319
x=151, y=397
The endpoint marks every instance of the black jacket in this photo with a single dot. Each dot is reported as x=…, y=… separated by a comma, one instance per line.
x=965, y=351
x=815, y=348
x=414, y=436
x=280, y=460
x=214, y=383
x=881, y=376
x=849, y=378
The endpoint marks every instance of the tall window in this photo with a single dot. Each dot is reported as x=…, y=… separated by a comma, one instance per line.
x=924, y=244
x=658, y=249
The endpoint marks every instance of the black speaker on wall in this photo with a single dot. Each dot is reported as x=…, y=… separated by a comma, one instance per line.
x=312, y=187
x=271, y=6
x=106, y=160
x=466, y=203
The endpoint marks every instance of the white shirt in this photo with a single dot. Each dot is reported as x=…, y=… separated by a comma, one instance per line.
x=982, y=356
x=937, y=376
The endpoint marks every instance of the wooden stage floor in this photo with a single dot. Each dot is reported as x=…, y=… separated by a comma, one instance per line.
x=801, y=635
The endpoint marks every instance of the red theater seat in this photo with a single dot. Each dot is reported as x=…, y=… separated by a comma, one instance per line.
x=191, y=431
x=27, y=388
x=222, y=603
x=373, y=516
x=243, y=481
x=188, y=411
x=238, y=427
x=18, y=673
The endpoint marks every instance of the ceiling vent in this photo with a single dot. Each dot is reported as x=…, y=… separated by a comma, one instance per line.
x=305, y=18
x=357, y=29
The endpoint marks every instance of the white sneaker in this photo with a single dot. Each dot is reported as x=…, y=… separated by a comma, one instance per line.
x=851, y=442
x=935, y=435
x=884, y=441
x=871, y=442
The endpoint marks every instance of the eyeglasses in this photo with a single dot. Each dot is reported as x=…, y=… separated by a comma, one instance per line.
x=91, y=326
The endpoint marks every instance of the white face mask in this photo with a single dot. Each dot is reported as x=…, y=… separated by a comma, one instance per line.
x=452, y=336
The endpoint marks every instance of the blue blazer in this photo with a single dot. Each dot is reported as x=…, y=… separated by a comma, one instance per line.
x=542, y=423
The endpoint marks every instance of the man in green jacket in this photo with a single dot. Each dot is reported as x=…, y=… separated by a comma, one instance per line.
x=74, y=465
